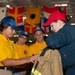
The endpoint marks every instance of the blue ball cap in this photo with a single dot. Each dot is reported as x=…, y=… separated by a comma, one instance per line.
x=10, y=21
x=24, y=33
x=38, y=29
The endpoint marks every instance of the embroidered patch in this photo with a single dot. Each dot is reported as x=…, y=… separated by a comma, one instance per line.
x=25, y=51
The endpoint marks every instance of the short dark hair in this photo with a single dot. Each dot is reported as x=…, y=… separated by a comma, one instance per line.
x=3, y=26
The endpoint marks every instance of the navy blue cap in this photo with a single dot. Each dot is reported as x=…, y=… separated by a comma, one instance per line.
x=38, y=29
x=10, y=21
x=24, y=33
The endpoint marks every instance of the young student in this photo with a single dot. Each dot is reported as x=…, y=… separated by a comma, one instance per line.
x=63, y=39
x=39, y=44
x=8, y=54
x=22, y=50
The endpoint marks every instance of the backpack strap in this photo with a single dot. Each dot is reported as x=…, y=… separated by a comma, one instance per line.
x=44, y=50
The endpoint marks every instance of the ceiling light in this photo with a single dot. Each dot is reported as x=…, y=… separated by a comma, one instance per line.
x=57, y=4
x=71, y=16
x=72, y=23
x=64, y=5
x=61, y=5
x=8, y=6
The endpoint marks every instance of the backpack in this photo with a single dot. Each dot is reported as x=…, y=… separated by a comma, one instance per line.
x=48, y=63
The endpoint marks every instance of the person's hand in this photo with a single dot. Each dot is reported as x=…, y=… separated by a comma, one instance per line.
x=33, y=58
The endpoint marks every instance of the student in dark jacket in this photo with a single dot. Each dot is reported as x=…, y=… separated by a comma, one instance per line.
x=63, y=39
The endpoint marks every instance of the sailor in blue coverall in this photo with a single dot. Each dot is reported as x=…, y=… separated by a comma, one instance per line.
x=63, y=39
